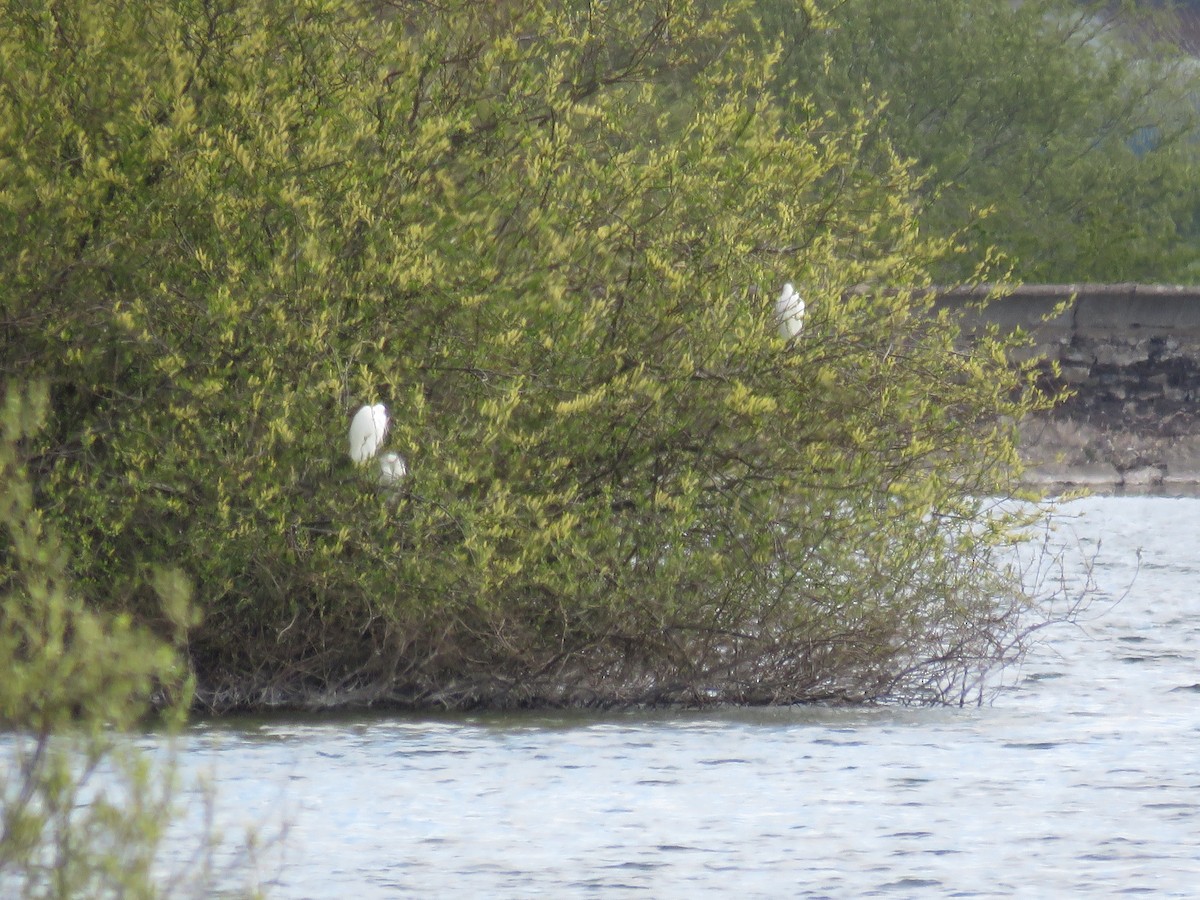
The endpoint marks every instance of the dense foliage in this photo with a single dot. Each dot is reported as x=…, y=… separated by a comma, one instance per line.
x=1063, y=133
x=549, y=237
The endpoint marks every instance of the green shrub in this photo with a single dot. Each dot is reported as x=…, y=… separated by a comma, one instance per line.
x=549, y=237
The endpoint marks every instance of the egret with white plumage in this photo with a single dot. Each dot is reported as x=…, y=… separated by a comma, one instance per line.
x=367, y=430
x=789, y=311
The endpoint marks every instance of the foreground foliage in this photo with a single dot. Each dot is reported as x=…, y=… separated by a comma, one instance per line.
x=549, y=237
x=83, y=810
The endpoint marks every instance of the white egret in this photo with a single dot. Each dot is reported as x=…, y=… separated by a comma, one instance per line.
x=367, y=429
x=392, y=468
x=789, y=310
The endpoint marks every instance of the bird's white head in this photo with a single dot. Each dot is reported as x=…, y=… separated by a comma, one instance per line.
x=392, y=468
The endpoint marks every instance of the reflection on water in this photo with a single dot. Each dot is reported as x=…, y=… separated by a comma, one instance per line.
x=1082, y=777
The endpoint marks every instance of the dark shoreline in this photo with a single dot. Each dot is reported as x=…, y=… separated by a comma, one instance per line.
x=1065, y=451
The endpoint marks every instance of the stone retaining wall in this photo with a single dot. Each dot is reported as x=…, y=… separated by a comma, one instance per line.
x=1131, y=354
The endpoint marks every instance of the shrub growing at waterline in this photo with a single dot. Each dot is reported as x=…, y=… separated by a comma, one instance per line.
x=534, y=231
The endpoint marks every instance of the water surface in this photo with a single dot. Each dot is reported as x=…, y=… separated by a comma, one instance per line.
x=1082, y=777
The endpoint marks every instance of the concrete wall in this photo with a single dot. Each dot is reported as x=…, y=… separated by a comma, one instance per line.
x=1131, y=353
x=1144, y=310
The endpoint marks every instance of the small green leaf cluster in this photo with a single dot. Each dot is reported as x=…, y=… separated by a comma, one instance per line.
x=549, y=237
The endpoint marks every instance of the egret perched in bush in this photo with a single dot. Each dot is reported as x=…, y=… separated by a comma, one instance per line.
x=789, y=310
x=367, y=429
x=392, y=468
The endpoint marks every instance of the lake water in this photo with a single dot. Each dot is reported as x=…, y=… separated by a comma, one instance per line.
x=1082, y=777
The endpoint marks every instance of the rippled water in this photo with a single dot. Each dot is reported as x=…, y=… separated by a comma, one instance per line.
x=1082, y=777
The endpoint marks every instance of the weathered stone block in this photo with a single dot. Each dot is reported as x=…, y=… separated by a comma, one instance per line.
x=1075, y=374
x=1122, y=356
x=1140, y=477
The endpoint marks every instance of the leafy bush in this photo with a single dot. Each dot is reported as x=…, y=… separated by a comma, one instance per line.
x=549, y=237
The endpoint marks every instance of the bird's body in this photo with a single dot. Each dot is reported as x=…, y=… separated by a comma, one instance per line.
x=789, y=310
x=392, y=468
x=367, y=430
